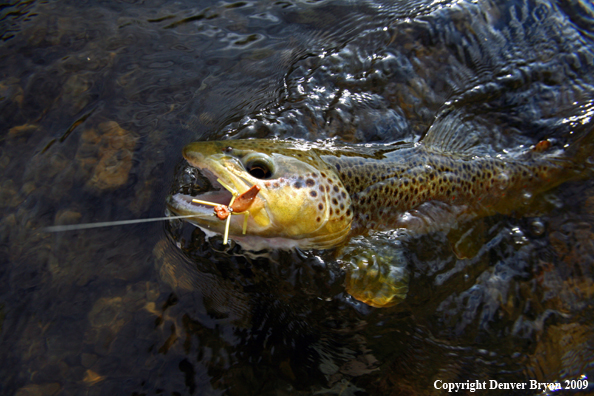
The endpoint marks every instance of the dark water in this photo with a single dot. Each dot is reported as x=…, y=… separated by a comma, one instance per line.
x=97, y=98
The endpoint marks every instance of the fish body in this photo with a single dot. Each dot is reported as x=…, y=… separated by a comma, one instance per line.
x=421, y=189
x=316, y=197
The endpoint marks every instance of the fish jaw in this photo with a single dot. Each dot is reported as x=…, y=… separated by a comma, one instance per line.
x=203, y=215
x=214, y=165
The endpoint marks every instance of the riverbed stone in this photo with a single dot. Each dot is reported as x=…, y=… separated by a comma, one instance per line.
x=105, y=155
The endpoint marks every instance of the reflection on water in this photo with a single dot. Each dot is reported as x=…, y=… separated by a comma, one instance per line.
x=98, y=98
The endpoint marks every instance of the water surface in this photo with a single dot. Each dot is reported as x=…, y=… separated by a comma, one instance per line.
x=97, y=99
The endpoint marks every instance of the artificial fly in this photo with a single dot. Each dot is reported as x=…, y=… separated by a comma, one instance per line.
x=239, y=205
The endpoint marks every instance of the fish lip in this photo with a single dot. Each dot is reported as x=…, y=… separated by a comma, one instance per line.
x=183, y=204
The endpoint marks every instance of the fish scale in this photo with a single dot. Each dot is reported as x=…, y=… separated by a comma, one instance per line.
x=383, y=189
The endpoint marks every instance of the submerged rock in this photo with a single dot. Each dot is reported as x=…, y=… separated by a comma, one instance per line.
x=106, y=154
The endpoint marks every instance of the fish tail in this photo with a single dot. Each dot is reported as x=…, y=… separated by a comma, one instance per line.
x=577, y=156
x=580, y=154
x=582, y=150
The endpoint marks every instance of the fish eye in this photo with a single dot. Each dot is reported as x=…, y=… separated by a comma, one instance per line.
x=259, y=166
x=259, y=170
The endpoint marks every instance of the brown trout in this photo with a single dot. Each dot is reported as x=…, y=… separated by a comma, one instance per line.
x=317, y=196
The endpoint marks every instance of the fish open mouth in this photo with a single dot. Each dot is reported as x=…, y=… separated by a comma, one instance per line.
x=183, y=204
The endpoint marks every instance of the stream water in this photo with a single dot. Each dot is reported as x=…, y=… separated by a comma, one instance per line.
x=97, y=99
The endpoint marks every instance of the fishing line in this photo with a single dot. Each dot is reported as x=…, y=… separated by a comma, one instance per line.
x=73, y=227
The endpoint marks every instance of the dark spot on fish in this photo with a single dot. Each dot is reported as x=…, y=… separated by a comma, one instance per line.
x=343, y=194
x=334, y=201
x=338, y=167
x=275, y=185
x=310, y=182
x=406, y=182
x=348, y=212
x=321, y=206
x=336, y=189
x=314, y=174
x=323, y=174
x=330, y=211
x=342, y=206
x=313, y=194
x=297, y=184
x=318, y=219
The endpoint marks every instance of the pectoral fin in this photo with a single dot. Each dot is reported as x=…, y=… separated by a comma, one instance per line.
x=376, y=270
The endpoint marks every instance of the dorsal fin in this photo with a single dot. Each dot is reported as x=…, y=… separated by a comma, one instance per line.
x=455, y=131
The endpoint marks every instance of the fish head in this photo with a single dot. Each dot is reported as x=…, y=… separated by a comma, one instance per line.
x=301, y=200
